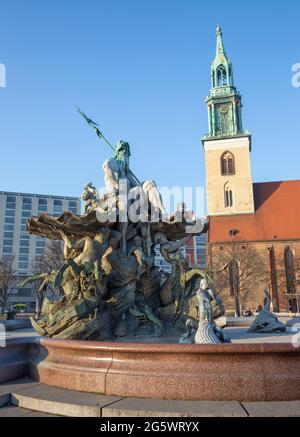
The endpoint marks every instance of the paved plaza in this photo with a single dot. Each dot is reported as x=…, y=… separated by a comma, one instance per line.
x=236, y=334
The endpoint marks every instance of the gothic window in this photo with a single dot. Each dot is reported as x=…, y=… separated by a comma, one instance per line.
x=274, y=282
x=227, y=164
x=290, y=274
x=234, y=278
x=221, y=76
x=228, y=197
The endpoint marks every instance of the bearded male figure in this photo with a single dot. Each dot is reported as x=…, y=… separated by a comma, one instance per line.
x=117, y=169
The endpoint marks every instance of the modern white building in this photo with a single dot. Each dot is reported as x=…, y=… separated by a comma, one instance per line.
x=15, y=240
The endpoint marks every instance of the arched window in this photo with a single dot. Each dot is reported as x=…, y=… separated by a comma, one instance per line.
x=228, y=199
x=227, y=164
x=221, y=76
x=290, y=274
x=228, y=196
x=234, y=278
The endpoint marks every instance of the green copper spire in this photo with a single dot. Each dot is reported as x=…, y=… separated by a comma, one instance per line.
x=225, y=102
x=221, y=69
x=220, y=45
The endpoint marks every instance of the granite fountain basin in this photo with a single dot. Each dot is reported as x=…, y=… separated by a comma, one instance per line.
x=240, y=372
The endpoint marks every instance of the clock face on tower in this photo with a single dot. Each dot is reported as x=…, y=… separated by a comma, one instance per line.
x=224, y=119
x=224, y=109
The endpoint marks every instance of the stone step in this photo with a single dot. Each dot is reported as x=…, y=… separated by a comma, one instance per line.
x=29, y=396
x=58, y=401
x=12, y=411
x=14, y=386
x=135, y=407
x=273, y=409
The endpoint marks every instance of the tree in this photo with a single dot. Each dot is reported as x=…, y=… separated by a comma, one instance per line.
x=8, y=279
x=42, y=270
x=245, y=272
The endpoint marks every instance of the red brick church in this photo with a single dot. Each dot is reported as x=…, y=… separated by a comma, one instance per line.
x=262, y=216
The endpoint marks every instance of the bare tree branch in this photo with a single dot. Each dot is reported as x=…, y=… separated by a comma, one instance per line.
x=52, y=259
x=8, y=279
x=245, y=271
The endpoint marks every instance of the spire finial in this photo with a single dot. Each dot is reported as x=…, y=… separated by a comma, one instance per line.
x=220, y=46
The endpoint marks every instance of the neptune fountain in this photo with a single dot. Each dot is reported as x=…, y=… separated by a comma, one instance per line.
x=110, y=286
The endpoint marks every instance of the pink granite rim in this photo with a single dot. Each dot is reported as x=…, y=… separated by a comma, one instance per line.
x=170, y=348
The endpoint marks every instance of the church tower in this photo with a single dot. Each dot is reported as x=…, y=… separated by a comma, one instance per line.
x=227, y=146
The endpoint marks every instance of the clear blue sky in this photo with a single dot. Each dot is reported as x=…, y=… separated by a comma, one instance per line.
x=141, y=69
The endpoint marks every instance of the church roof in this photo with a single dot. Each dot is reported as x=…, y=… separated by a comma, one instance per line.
x=276, y=217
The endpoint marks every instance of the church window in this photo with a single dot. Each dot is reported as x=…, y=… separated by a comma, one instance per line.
x=230, y=165
x=221, y=76
x=234, y=278
x=290, y=273
x=228, y=198
x=227, y=164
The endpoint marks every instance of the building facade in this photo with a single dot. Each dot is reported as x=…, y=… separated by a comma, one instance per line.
x=16, y=242
x=263, y=216
x=194, y=252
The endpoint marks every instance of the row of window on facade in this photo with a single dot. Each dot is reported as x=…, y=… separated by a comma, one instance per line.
x=42, y=205
x=22, y=292
x=24, y=240
x=23, y=255
x=23, y=265
x=289, y=269
x=9, y=224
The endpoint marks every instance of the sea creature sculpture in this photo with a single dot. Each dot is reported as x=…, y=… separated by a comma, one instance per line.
x=265, y=321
